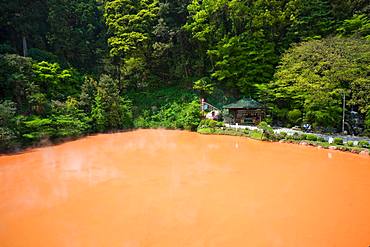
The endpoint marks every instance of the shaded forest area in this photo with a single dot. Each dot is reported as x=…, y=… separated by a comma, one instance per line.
x=74, y=67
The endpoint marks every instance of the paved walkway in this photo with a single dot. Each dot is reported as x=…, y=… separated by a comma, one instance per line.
x=345, y=138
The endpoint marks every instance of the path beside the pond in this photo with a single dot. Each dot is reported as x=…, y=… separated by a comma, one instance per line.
x=345, y=138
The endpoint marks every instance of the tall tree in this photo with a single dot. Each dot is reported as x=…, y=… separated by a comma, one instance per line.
x=313, y=76
x=172, y=51
x=76, y=31
x=22, y=23
x=129, y=29
x=240, y=40
x=16, y=80
x=314, y=20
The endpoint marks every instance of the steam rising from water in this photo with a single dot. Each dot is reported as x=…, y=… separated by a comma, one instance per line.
x=172, y=188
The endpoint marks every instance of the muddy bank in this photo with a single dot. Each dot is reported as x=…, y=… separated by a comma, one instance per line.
x=174, y=188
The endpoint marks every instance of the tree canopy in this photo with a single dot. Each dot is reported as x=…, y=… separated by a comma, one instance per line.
x=74, y=67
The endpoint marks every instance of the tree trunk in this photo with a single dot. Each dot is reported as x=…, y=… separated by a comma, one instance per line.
x=24, y=41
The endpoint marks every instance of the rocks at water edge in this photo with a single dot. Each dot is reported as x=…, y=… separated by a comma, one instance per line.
x=365, y=153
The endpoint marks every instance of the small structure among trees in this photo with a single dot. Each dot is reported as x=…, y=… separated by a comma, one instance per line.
x=246, y=111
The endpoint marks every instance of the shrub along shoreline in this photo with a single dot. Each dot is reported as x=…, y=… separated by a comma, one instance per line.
x=265, y=133
x=216, y=129
x=175, y=113
x=99, y=109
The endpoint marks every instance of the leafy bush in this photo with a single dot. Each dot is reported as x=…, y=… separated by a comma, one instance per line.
x=110, y=111
x=358, y=25
x=304, y=78
x=283, y=134
x=209, y=123
x=292, y=137
x=303, y=137
x=247, y=132
x=8, y=139
x=172, y=116
x=297, y=137
x=56, y=83
x=204, y=85
x=189, y=116
x=143, y=121
x=35, y=129
x=344, y=148
x=167, y=117
x=364, y=144
x=160, y=98
x=170, y=107
x=350, y=143
x=68, y=126
x=267, y=131
x=7, y=112
x=311, y=137
x=255, y=134
x=338, y=141
x=206, y=131
x=294, y=116
x=16, y=79
x=126, y=115
x=265, y=127
x=321, y=139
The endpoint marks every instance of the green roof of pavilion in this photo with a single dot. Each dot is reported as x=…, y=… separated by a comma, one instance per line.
x=244, y=104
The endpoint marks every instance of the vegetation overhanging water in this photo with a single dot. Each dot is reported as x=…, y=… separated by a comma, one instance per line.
x=70, y=69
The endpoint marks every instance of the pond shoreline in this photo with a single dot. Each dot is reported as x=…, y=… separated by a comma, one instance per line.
x=47, y=142
x=319, y=145
x=226, y=132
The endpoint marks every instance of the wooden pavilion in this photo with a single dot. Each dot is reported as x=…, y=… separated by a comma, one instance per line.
x=246, y=111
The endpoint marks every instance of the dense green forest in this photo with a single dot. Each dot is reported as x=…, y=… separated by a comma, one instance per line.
x=73, y=67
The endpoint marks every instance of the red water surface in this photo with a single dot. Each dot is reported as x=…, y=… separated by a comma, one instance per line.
x=173, y=188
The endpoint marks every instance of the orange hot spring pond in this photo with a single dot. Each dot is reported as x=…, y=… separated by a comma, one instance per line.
x=174, y=188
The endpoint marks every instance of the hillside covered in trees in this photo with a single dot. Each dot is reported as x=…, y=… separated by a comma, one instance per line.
x=73, y=67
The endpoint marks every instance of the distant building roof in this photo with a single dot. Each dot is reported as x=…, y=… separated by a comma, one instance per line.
x=245, y=104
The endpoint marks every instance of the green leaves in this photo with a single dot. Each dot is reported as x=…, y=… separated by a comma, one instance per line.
x=314, y=75
x=129, y=24
x=110, y=111
x=174, y=115
x=205, y=85
x=75, y=32
x=243, y=62
x=358, y=25
x=55, y=82
x=241, y=39
x=314, y=20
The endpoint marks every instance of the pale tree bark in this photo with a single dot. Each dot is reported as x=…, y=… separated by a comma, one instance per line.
x=25, y=50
